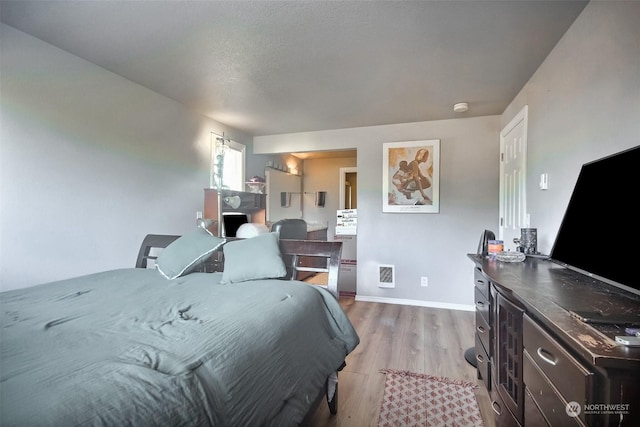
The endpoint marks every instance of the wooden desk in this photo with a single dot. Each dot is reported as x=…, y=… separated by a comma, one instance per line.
x=252, y=204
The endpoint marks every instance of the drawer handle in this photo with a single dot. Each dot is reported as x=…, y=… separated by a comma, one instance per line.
x=546, y=356
x=480, y=281
x=481, y=329
x=480, y=358
x=496, y=408
x=479, y=303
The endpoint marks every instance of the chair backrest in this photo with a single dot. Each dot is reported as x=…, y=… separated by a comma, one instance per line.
x=329, y=252
x=291, y=229
x=151, y=241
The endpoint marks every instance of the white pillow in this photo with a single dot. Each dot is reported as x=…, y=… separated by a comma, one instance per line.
x=248, y=230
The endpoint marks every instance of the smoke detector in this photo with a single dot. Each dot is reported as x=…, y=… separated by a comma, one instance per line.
x=460, y=107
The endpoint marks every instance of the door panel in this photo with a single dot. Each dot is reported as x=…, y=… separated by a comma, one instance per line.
x=513, y=197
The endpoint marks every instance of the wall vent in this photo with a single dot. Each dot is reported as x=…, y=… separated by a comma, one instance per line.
x=386, y=276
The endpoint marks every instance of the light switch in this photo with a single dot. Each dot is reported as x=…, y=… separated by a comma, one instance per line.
x=544, y=181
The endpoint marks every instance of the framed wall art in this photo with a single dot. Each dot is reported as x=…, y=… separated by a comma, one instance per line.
x=411, y=176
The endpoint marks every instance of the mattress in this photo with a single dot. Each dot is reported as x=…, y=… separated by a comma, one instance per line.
x=128, y=347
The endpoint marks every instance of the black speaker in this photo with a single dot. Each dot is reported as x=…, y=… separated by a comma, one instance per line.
x=483, y=245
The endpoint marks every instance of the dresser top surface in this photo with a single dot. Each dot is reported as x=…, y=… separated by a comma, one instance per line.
x=549, y=292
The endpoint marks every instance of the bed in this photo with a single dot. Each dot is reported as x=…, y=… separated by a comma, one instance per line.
x=133, y=347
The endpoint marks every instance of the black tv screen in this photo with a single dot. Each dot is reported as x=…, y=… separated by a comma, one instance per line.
x=232, y=222
x=599, y=234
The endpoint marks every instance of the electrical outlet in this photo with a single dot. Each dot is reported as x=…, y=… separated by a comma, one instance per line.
x=198, y=214
x=424, y=281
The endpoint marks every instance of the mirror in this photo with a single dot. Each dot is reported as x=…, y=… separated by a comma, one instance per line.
x=284, y=195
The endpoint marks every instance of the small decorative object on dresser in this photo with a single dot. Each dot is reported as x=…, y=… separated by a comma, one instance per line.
x=483, y=245
x=510, y=256
x=528, y=241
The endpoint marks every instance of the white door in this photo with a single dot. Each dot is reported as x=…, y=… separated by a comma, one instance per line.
x=513, y=174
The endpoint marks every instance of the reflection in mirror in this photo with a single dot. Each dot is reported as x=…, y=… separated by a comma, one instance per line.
x=279, y=182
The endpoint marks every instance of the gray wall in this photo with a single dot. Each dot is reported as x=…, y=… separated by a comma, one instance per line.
x=433, y=245
x=584, y=104
x=90, y=163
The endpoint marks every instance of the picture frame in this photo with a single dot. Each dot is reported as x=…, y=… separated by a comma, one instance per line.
x=411, y=176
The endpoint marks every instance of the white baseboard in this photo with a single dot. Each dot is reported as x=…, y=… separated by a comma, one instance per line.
x=417, y=303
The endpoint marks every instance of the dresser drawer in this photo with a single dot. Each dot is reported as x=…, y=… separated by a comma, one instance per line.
x=483, y=363
x=568, y=375
x=482, y=305
x=483, y=331
x=481, y=282
x=532, y=414
x=549, y=402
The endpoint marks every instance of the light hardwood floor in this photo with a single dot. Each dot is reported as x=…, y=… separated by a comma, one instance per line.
x=418, y=339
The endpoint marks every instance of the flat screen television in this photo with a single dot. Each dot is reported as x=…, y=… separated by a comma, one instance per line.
x=600, y=232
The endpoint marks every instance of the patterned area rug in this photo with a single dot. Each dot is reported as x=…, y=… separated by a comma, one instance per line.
x=412, y=399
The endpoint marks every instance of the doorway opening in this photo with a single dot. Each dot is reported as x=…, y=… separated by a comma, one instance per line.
x=349, y=188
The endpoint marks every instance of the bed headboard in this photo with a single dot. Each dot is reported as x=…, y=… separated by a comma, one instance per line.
x=331, y=251
x=152, y=241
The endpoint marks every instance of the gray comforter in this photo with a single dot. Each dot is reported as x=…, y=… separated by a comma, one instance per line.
x=128, y=347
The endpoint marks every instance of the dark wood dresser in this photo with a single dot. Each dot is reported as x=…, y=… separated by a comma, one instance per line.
x=541, y=365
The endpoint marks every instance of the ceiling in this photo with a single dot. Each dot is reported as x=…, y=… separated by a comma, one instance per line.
x=271, y=67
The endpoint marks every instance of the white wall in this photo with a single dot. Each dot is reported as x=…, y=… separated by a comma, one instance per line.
x=90, y=163
x=433, y=245
x=584, y=104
